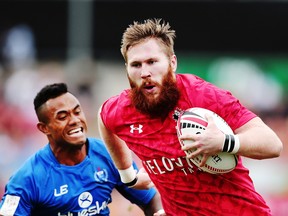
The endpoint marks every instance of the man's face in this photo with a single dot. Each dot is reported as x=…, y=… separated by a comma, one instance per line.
x=152, y=78
x=66, y=123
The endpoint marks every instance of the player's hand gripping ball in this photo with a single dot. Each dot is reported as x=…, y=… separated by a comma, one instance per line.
x=193, y=121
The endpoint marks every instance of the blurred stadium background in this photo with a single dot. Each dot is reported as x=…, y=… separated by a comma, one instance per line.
x=238, y=45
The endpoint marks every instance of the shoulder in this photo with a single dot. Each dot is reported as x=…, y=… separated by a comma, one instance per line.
x=116, y=108
x=30, y=176
x=117, y=101
x=190, y=79
x=34, y=165
x=96, y=144
x=205, y=94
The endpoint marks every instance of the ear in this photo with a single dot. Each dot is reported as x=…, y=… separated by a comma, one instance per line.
x=174, y=63
x=43, y=128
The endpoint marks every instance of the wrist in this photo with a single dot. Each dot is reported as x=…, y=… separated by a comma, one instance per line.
x=231, y=143
x=128, y=176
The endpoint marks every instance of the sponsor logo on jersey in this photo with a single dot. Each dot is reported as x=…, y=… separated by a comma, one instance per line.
x=164, y=165
x=135, y=128
x=63, y=190
x=85, y=199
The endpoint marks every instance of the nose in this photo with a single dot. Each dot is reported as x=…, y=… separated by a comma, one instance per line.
x=145, y=72
x=74, y=119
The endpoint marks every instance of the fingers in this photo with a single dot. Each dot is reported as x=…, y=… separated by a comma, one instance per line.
x=161, y=212
x=146, y=177
x=191, y=146
x=193, y=153
x=201, y=144
x=204, y=160
x=143, y=180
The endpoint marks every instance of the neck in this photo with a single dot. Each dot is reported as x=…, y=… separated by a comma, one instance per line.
x=70, y=156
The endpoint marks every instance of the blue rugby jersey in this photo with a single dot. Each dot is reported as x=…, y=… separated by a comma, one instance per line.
x=42, y=186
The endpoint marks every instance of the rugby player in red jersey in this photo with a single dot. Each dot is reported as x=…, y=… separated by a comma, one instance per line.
x=143, y=119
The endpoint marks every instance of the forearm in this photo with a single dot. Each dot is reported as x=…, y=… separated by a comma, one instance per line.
x=117, y=148
x=119, y=152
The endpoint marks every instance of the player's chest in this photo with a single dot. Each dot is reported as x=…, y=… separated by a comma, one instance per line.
x=149, y=138
x=86, y=190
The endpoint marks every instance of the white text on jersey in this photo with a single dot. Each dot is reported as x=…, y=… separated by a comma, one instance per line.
x=63, y=190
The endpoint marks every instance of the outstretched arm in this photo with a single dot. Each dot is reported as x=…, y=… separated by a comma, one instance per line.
x=122, y=158
x=117, y=148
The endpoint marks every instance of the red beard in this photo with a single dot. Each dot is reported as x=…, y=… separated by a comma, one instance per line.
x=156, y=107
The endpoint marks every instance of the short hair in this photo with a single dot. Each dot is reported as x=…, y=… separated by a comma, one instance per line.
x=49, y=92
x=150, y=28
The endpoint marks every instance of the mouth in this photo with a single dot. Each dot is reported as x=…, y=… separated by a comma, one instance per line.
x=76, y=131
x=150, y=88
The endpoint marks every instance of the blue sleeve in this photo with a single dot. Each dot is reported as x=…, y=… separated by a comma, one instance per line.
x=17, y=195
x=138, y=197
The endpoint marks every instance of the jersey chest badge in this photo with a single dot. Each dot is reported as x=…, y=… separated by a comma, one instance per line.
x=177, y=113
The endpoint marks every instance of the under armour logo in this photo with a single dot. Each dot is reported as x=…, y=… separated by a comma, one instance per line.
x=139, y=129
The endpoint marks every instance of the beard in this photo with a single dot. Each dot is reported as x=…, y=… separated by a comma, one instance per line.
x=160, y=106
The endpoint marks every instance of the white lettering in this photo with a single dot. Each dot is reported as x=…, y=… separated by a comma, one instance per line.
x=189, y=162
x=163, y=165
x=216, y=159
x=160, y=171
x=169, y=162
x=93, y=210
x=150, y=167
x=179, y=163
x=183, y=169
x=63, y=190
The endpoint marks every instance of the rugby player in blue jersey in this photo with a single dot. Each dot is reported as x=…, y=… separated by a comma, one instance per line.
x=73, y=174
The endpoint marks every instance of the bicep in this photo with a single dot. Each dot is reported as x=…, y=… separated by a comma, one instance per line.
x=253, y=126
x=258, y=140
x=253, y=123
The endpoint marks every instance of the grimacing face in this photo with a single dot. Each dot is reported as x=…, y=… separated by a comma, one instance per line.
x=66, y=122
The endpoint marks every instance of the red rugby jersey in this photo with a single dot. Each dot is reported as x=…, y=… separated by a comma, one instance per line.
x=186, y=190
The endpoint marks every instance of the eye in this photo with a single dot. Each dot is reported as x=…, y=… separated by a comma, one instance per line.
x=151, y=62
x=78, y=111
x=135, y=64
x=62, y=116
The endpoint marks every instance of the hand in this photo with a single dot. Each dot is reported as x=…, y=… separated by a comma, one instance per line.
x=208, y=143
x=161, y=212
x=143, y=182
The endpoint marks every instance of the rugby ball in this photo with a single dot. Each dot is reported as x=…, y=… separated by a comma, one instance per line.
x=193, y=121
